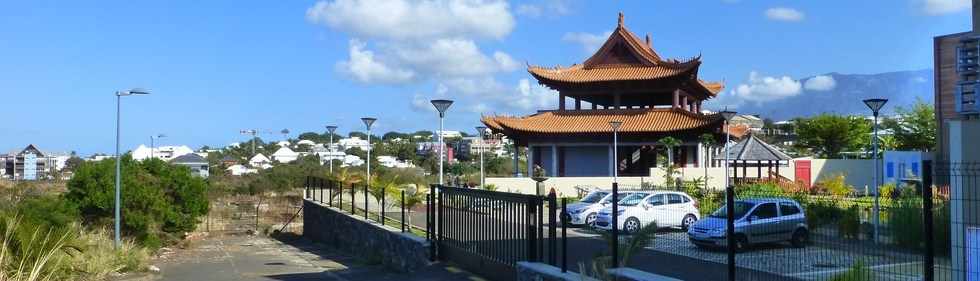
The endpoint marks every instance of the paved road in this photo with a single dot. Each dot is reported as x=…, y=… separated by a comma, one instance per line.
x=248, y=258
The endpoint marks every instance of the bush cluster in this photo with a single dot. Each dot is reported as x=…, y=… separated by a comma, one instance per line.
x=159, y=201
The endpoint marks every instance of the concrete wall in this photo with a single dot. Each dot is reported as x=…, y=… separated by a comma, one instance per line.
x=858, y=172
x=564, y=186
x=964, y=198
x=402, y=252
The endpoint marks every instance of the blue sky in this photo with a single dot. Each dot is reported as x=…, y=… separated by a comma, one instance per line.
x=217, y=67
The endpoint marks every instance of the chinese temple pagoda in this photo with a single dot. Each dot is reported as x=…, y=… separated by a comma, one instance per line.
x=625, y=80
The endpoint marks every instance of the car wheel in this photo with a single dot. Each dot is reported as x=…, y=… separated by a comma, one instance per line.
x=800, y=238
x=590, y=219
x=741, y=243
x=688, y=221
x=632, y=225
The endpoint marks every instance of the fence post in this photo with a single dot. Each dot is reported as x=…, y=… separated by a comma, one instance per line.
x=930, y=252
x=403, y=210
x=532, y=248
x=353, y=191
x=366, y=203
x=730, y=230
x=330, y=185
x=615, y=225
x=564, y=238
x=307, y=188
x=441, y=224
x=320, y=184
x=430, y=221
x=383, y=205
x=552, y=230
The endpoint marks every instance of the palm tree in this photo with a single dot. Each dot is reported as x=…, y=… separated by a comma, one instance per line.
x=708, y=141
x=414, y=194
x=346, y=178
x=381, y=185
x=670, y=143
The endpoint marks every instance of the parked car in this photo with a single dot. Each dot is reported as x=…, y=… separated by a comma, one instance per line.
x=666, y=208
x=763, y=220
x=585, y=211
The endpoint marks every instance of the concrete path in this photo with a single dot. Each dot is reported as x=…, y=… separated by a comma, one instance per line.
x=246, y=258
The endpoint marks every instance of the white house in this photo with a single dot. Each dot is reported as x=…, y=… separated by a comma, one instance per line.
x=352, y=142
x=451, y=134
x=392, y=162
x=238, y=170
x=306, y=142
x=283, y=143
x=285, y=155
x=259, y=161
x=901, y=165
x=352, y=160
x=165, y=153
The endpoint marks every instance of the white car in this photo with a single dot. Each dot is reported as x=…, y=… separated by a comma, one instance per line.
x=666, y=208
x=584, y=211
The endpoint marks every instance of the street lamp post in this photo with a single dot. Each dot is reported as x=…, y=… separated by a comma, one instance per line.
x=119, y=95
x=368, y=121
x=727, y=115
x=875, y=105
x=331, y=129
x=152, y=147
x=481, y=130
x=441, y=106
x=615, y=124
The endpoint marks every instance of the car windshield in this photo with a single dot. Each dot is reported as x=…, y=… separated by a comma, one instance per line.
x=594, y=197
x=632, y=200
x=608, y=198
x=741, y=207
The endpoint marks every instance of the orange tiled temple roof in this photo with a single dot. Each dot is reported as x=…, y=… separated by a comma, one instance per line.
x=624, y=57
x=597, y=121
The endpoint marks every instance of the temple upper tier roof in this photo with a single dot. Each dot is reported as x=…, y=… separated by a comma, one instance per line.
x=623, y=58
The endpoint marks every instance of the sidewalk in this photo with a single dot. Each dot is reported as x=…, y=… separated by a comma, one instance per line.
x=246, y=258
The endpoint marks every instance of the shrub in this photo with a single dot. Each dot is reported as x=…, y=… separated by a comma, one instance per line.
x=849, y=224
x=835, y=185
x=822, y=212
x=905, y=222
x=760, y=190
x=887, y=190
x=158, y=199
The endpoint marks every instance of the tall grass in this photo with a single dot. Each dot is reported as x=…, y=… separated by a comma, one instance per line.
x=32, y=252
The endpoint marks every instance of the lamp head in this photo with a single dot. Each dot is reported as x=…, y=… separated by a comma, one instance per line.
x=133, y=91
x=875, y=104
x=442, y=105
x=368, y=121
x=161, y=136
x=727, y=114
x=331, y=129
x=481, y=130
x=615, y=124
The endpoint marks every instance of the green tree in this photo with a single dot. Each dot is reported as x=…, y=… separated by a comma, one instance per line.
x=915, y=129
x=828, y=135
x=160, y=200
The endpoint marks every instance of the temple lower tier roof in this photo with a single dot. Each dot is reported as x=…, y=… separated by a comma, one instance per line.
x=654, y=120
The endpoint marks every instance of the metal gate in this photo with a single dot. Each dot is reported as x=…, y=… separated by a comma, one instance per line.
x=488, y=232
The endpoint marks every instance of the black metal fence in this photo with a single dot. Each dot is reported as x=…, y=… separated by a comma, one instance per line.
x=489, y=232
x=398, y=208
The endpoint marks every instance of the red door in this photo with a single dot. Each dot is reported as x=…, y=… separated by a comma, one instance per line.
x=803, y=173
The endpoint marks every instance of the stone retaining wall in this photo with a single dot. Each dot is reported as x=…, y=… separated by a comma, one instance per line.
x=371, y=241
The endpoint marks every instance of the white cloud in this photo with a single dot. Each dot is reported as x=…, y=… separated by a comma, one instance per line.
x=820, y=83
x=552, y=8
x=590, y=42
x=765, y=88
x=940, y=7
x=535, y=96
x=784, y=14
x=451, y=58
x=412, y=20
x=421, y=104
x=363, y=67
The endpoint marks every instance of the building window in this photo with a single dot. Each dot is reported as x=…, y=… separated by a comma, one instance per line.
x=915, y=169
x=890, y=170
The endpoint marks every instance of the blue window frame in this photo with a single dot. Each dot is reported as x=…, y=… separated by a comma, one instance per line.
x=915, y=169
x=890, y=169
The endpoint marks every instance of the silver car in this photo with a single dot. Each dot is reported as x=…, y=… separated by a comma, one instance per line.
x=760, y=220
